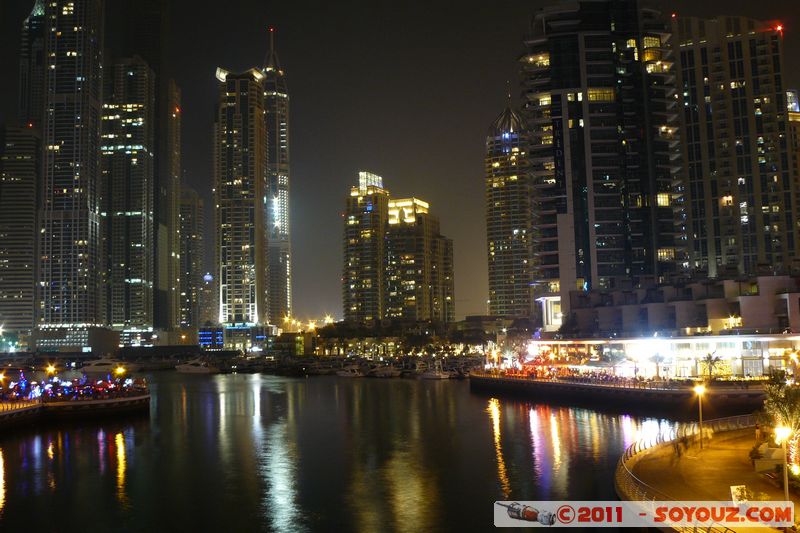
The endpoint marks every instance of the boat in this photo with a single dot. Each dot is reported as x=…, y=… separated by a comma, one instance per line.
x=107, y=366
x=436, y=372
x=350, y=372
x=386, y=371
x=197, y=366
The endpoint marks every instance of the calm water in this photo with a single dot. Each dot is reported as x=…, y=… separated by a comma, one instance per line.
x=265, y=453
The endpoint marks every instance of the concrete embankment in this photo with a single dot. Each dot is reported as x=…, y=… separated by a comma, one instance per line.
x=31, y=412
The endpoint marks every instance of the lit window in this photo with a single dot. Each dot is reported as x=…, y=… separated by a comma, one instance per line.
x=662, y=199
x=601, y=95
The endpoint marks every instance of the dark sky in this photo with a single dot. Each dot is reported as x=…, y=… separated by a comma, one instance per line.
x=403, y=89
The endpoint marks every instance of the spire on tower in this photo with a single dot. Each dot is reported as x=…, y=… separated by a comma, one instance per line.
x=271, y=62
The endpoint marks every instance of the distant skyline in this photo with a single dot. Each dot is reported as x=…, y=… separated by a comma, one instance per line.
x=407, y=91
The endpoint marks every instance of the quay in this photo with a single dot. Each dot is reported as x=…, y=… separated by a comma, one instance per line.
x=31, y=411
x=629, y=394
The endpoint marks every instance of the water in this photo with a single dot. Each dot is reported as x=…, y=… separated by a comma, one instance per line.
x=265, y=453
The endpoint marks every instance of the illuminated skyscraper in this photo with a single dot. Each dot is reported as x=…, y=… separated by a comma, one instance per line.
x=509, y=217
x=397, y=265
x=276, y=105
x=598, y=85
x=20, y=163
x=740, y=198
x=793, y=106
x=418, y=265
x=192, y=228
x=70, y=254
x=128, y=195
x=240, y=197
x=32, y=67
x=365, y=219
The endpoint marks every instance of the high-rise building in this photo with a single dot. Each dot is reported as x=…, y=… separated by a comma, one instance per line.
x=191, y=282
x=276, y=105
x=209, y=301
x=418, y=265
x=397, y=265
x=793, y=106
x=20, y=162
x=739, y=199
x=509, y=217
x=128, y=193
x=240, y=195
x=32, y=67
x=598, y=87
x=168, y=212
x=70, y=247
x=365, y=218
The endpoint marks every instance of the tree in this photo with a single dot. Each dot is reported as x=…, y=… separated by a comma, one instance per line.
x=782, y=407
x=658, y=359
x=711, y=361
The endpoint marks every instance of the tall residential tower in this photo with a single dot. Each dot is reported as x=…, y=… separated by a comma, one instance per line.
x=509, y=217
x=598, y=87
x=70, y=247
x=192, y=229
x=240, y=198
x=276, y=106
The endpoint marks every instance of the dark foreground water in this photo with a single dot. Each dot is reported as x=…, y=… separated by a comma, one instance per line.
x=265, y=453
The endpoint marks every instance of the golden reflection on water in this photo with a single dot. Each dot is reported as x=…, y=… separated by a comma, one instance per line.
x=412, y=492
x=119, y=443
x=494, y=412
x=555, y=436
x=2, y=481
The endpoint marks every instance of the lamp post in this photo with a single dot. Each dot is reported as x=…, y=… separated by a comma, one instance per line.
x=782, y=434
x=700, y=390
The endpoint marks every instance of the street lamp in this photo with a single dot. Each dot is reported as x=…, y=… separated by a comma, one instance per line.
x=782, y=434
x=700, y=390
x=119, y=371
x=50, y=369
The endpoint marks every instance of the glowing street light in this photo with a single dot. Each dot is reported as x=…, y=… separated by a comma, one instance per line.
x=700, y=390
x=51, y=369
x=120, y=370
x=782, y=435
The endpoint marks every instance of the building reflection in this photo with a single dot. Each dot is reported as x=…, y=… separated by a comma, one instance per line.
x=122, y=464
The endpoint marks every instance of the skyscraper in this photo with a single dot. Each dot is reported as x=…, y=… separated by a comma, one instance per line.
x=191, y=282
x=128, y=193
x=418, y=264
x=397, y=265
x=740, y=200
x=793, y=106
x=366, y=215
x=168, y=212
x=276, y=105
x=240, y=197
x=32, y=67
x=70, y=252
x=20, y=163
x=598, y=86
x=509, y=217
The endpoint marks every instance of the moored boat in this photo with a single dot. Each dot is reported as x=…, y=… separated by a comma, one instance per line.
x=197, y=366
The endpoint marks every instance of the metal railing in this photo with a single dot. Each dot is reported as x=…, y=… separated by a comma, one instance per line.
x=7, y=406
x=630, y=487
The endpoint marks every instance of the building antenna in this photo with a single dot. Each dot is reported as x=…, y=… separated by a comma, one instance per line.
x=508, y=92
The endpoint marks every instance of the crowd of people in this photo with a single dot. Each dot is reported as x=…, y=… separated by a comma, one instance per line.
x=54, y=389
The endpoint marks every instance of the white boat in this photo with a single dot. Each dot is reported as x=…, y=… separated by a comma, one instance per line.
x=436, y=372
x=107, y=366
x=386, y=371
x=350, y=372
x=197, y=366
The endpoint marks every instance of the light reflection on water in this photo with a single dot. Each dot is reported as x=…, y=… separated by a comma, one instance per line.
x=262, y=453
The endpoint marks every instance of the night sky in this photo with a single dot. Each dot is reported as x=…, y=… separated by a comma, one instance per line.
x=403, y=89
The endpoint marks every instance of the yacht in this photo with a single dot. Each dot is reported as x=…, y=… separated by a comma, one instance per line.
x=436, y=372
x=197, y=366
x=350, y=372
x=386, y=371
x=107, y=366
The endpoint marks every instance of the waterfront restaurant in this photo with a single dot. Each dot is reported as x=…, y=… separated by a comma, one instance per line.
x=731, y=356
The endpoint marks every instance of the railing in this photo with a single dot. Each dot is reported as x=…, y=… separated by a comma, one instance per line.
x=630, y=487
x=16, y=405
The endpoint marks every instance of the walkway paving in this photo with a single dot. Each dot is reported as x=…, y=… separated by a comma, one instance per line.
x=708, y=474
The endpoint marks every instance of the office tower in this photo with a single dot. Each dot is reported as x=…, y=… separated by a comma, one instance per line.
x=276, y=105
x=366, y=215
x=509, y=217
x=32, y=67
x=597, y=82
x=739, y=197
x=209, y=301
x=418, y=264
x=70, y=252
x=191, y=231
x=128, y=193
x=240, y=190
x=140, y=27
x=168, y=213
x=20, y=162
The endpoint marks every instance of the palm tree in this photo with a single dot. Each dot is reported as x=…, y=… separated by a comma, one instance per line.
x=711, y=361
x=658, y=359
x=782, y=407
